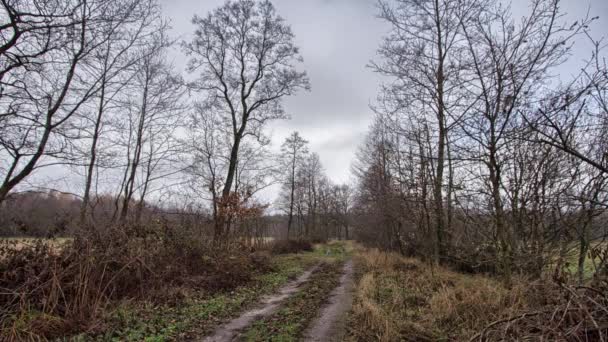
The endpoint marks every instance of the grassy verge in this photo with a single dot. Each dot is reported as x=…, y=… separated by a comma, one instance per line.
x=589, y=267
x=289, y=322
x=400, y=299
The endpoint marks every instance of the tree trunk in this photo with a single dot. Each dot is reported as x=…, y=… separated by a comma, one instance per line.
x=505, y=253
x=129, y=187
x=438, y=189
x=293, y=189
x=93, y=152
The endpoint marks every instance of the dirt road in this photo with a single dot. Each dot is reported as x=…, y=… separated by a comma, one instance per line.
x=230, y=331
x=331, y=323
x=328, y=326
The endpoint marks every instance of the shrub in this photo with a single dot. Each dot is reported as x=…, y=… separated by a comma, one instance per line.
x=49, y=293
x=291, y=246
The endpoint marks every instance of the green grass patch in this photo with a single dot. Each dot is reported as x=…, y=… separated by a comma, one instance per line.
x=571, y=260
x=334, y=250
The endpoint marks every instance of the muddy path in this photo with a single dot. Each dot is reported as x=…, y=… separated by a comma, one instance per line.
x=330, y=325
x=230, y=331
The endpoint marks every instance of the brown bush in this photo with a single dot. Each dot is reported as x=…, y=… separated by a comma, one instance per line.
x=291, y=246
x=50, y=293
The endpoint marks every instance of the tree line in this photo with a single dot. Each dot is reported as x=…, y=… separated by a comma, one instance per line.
x=315, y=207
x=90, y=86
x=483, y=151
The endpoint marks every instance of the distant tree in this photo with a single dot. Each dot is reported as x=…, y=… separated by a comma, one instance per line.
x=343, y=204
x=311, y=174
x=293, y=152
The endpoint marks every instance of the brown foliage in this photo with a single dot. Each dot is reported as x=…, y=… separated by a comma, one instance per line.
x=291, y=246
x=49, y=293
x=562, y=313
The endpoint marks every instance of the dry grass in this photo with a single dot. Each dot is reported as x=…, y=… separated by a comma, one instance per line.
x=401, y=299
x=19, y=243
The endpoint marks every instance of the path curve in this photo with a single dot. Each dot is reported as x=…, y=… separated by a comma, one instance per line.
x=269, y=304
x=330, y=325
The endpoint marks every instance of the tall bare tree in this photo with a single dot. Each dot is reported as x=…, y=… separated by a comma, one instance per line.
x=134, y=23
x=421, y=54
x=293, y=150
x=508, y=62
x=153, y=117
x=246, y=58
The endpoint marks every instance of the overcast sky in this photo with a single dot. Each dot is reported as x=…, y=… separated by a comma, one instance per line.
x=337, y=39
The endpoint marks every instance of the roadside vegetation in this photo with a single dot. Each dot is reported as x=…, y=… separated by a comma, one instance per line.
x=197, y=314
x=479, y=195
x=404, y=299
x=107, y=290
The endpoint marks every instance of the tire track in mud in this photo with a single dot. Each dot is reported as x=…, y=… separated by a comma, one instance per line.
x=269, y=304
x=330, y=325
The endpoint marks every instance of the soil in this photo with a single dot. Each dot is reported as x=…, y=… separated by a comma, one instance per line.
x=330, y=325
x=269, y=304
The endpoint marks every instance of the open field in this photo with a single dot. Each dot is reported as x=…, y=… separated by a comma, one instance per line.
x=591, y=262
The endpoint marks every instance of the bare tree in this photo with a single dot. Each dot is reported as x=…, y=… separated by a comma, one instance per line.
x=294, y=150
x=577, y=113
x=310, y=175
x=508, y=62
x=422, y=56
x=246, y=58
x=46, y=48
x=342, y=206
x=134, y=23
x=472, y=157
x=153, y=117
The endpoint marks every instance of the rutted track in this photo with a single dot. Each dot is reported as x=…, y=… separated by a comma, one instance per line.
x=330, y=325
x=269, y=304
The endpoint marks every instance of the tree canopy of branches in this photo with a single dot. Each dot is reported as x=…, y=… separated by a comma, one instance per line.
x=47, y=51
x=472, y=94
